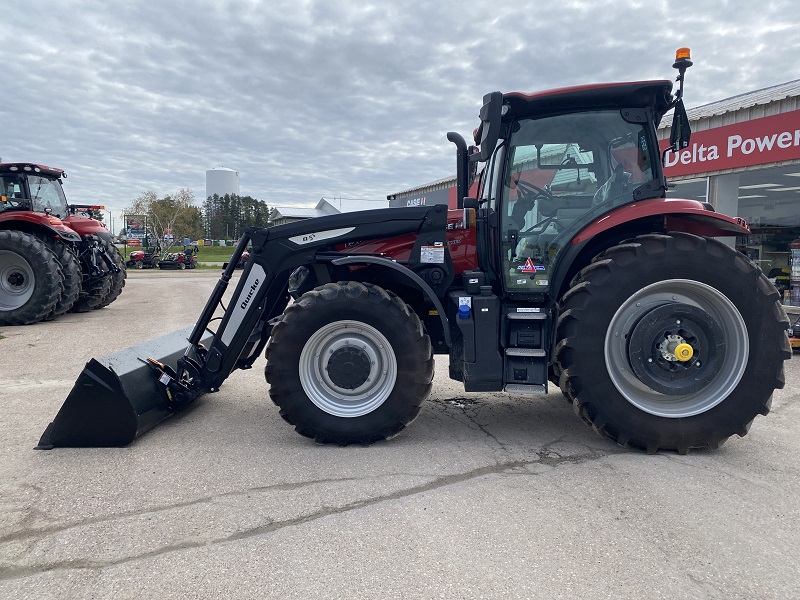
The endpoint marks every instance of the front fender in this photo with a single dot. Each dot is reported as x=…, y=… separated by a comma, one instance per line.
x=415, y=280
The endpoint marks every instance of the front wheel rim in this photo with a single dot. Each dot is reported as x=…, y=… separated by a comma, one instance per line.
x=728, y=372
x=17, y=281
x=356, y=393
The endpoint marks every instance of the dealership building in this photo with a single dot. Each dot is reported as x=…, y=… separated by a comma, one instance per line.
x=744, y=158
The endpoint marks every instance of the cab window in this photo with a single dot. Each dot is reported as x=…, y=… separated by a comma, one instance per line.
x=560, y=168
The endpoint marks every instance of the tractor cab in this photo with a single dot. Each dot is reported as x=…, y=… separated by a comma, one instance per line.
x=560, y=172
x=559, y=162
x=34, y=188
x=562, y=160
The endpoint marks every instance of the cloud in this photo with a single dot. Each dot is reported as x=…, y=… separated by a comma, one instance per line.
x=310, y=98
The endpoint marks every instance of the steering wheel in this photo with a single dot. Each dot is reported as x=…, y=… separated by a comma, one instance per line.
x=548, y=205
x=529, y=188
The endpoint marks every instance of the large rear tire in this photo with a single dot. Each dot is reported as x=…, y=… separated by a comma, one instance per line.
x=671, y=342
x=349, y=363
x=31, y=281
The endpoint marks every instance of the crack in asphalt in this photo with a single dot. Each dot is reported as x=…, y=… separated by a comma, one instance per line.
x=546, y=456
x=36, y=531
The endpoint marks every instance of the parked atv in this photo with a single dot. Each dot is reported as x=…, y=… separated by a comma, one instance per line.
x=144, y=259
x=180, y=260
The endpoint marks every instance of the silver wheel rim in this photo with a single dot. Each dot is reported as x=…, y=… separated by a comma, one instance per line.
x=685, y=291
x=332, y=398
x=16, y=280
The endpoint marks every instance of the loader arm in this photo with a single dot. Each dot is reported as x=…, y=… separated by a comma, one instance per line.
x=120, y=396
x=261, y=294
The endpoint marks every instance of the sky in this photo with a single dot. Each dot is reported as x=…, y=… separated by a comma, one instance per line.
x=337, y=99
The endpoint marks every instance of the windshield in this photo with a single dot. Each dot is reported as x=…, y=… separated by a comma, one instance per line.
x=47, y=194
x=559, y=169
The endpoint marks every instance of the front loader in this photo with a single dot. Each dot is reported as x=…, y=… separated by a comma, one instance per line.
x=569, y=267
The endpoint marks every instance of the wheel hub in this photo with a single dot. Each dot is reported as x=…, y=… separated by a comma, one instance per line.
x=676, y=349
x=16, y=281
x=348, y=367
x=647, y=360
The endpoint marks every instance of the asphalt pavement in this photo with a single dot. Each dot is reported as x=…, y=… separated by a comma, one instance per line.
x=484, y=496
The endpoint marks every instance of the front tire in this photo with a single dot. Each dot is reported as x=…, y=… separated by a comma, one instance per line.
x=349, y=363
x=671, y=342
x=117, y=279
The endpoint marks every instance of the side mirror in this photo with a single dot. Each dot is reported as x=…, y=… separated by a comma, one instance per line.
x=681, y=131
x=489, y=129
x=472, y=153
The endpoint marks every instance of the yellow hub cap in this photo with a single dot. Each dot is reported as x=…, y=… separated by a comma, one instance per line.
x=684, y=352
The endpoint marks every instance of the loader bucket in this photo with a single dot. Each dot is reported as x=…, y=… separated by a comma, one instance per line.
x=118, y=397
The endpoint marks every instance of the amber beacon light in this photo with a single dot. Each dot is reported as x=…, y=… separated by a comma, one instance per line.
x=683, y=58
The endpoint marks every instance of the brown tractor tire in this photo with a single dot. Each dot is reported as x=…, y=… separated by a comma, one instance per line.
x=671, y=342
x=31, y=280
x=349, y=363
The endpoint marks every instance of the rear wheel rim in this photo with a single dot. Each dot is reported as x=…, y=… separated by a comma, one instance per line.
x=348, y=368
x=727, y=374
x=17, y=280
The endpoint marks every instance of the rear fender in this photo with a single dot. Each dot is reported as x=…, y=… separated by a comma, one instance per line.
x=690, y=216
x=656, y=216
x=31, y=222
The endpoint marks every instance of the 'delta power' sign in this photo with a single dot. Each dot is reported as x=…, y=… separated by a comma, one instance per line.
x=756, y=142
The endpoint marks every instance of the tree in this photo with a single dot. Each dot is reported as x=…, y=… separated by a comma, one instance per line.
x=169, y=218
x=227, y=216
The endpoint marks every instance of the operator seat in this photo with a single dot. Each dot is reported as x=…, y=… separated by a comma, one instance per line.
x=612, y=189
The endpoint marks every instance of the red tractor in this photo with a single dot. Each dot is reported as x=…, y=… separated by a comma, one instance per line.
x=148, y=258
x=570, y=267
x=53, y=258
